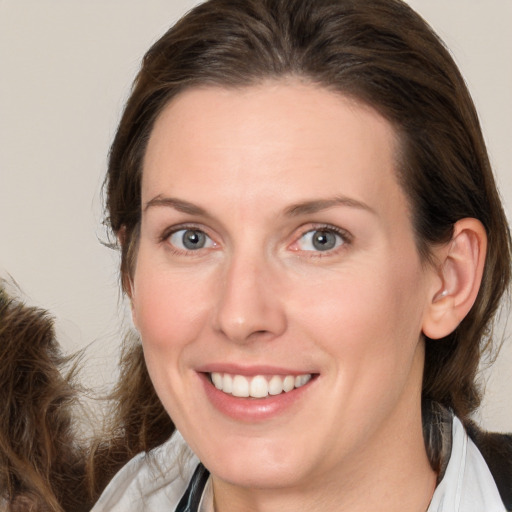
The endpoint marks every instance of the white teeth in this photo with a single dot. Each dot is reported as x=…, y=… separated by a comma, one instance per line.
x=275, y=385
x=227, y=383
x=288, y=383
x=300, y=380
x=257, y=386
x=240, y=386
x=217, y=380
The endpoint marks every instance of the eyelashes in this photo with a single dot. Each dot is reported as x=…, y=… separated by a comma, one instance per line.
x=317, y=240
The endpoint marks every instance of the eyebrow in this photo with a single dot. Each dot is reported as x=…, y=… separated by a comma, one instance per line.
x=315, y=206
x=295, y=210
x=177, y=204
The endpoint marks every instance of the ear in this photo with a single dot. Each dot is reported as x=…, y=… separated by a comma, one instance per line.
x=458, y=278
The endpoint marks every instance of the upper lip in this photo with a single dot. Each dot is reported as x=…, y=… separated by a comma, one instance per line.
x=252, y=370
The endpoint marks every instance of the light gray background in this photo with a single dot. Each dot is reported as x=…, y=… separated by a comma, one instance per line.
x=65, y=71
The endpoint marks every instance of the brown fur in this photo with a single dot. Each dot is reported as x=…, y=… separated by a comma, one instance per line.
x=41, y=466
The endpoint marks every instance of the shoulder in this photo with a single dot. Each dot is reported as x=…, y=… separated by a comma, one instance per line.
x=151, y=481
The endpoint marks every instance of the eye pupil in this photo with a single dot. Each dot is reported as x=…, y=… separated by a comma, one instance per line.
x=193, y=239
x=324, y=240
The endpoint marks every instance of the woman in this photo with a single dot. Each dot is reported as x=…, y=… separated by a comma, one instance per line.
x=314, y=249
x=301, y=191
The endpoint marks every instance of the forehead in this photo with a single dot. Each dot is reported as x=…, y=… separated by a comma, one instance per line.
x=281, y=141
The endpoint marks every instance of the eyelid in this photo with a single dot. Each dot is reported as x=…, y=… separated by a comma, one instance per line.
x=168, y=231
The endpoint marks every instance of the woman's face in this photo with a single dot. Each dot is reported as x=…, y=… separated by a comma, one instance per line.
x=276, y=251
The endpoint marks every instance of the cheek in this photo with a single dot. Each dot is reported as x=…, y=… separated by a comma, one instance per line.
x=168, y=307
x=370, y=316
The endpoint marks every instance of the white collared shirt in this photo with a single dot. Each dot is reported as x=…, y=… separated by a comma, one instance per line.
x=467, y=485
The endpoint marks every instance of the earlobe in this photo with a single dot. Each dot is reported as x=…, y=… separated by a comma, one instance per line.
x=460, y=270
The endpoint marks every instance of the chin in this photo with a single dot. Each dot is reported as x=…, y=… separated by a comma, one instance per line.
x=257, y=474
x=257, y=463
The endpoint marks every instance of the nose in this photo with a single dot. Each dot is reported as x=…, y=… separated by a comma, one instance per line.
x=250, y=304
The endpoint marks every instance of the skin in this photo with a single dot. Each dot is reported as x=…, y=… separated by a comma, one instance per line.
x=259, y=293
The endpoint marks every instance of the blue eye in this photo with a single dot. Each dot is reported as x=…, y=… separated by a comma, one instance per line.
x=320, y=240
x=190, y=240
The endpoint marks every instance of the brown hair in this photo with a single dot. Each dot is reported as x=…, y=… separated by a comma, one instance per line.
x=379, y=52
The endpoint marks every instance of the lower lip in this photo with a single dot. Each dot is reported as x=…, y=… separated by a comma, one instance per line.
x=251, y=410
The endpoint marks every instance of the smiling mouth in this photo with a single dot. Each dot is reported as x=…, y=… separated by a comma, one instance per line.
x=259, y=386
